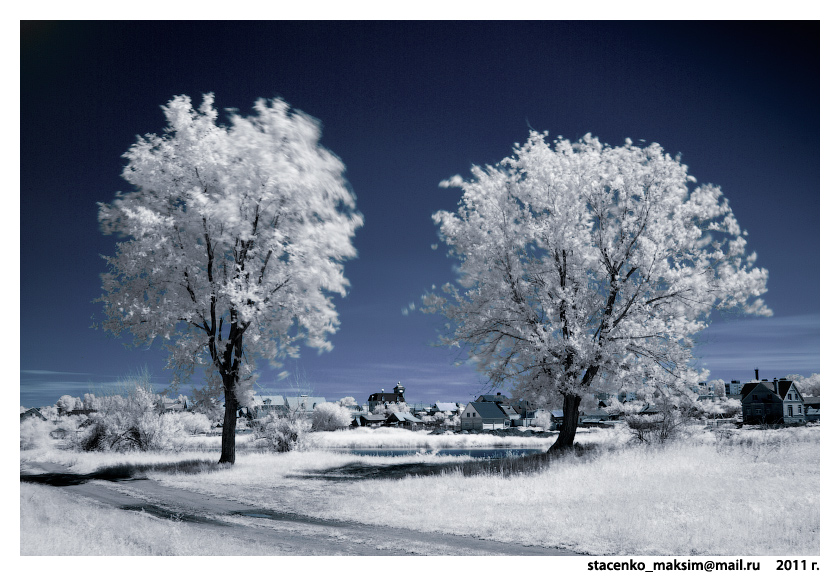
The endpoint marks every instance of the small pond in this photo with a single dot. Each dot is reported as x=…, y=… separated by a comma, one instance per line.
x=485, y=452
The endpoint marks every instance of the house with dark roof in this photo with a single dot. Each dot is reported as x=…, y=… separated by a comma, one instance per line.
x=382, y=398
x=497, y=397
x=369, y=420
x=485, y=416
x=32, y=413
x=403, y=420
x=776, y=402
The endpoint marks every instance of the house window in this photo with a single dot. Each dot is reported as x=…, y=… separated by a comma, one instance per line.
x=790, y=410
x=789, y=396
x=799, y=410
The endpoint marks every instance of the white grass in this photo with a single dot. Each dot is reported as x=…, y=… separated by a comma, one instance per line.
x=51, y=523
x=755, y=493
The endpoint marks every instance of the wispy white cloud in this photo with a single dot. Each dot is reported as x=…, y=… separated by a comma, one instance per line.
x=777, y=346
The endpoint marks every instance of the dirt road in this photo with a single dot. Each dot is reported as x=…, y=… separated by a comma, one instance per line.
x=288, y=534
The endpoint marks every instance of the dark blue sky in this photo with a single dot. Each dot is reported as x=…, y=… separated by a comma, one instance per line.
x=406, y=105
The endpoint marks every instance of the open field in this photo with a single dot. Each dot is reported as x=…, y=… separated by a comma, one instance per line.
x=755, y=492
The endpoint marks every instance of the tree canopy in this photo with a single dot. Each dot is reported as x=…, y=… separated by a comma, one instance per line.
x=235, y=239
x=585, y=266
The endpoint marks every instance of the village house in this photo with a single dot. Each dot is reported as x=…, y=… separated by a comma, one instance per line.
x=32, y=413
x=595, y=416
x=765, y=402
x=303, y=404
x=497, y=397
x=445, y=407
x=369, y=420
x=180, y=404
x=403, y=420
x=382, y=398
x=485, y=416
x=265, y=404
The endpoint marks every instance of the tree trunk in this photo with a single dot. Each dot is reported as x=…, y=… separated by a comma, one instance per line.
x=229, y=425
x=565, y=440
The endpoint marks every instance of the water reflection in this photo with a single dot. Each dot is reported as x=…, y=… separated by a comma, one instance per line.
x=491, y=453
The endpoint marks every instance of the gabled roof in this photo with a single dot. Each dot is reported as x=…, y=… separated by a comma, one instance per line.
x=811, y=400
x=446, y=406
x=750, y=387
x=509, y=412
x=404, y=417
x=557, y=413
x=276, y=400
x=373, y=417
x=783, y=387
x=498, y=397
x=488, y=410
x=32, y=412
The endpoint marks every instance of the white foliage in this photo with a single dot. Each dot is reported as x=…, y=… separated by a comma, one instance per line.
x=588, y=266
x=282, y=433
x=67, y=403
x=234, y=238
x=392, y=407
x=90, y=402
x=329, y=416
x=809, y=386
x=35, y=433
x=131, y=422
x=193, y=422
x=721, y=407
x=348, y=402
x=542, y=418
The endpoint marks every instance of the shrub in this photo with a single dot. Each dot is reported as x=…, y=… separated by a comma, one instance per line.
x=663, y=426
x=131, y=422
x=329, y=416
x=67, y=403
x=34, y=433
x=281, y=433
x=194, y=423
x=542, y=418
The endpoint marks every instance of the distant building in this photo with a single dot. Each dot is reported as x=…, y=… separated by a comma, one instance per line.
x=773, y=402
x=303, y=404
x=403, y=420
x=445, y=407
x=32, y=413
x=733, y=388
x=369, y=420
x=497, y=397
x=381, y=398
x=265, y=404
x=485, y=416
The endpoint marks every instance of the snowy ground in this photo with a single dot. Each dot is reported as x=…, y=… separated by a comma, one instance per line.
x=692, y=496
